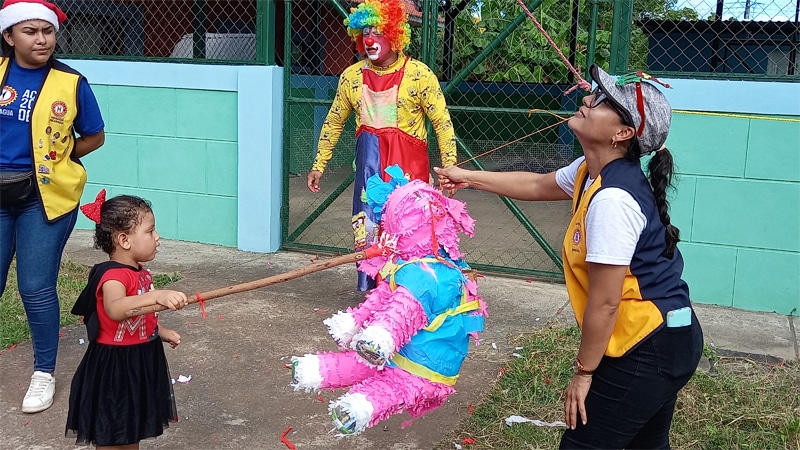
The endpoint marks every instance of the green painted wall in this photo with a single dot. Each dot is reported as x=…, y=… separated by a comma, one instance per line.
x=738, y=208
x=178, y=149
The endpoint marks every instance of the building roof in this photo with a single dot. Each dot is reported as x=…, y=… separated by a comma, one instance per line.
x=652, y=26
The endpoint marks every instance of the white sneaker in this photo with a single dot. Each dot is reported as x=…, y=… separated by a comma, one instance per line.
x=40, y=393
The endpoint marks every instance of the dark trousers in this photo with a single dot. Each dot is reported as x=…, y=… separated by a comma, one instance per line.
x=632, y=398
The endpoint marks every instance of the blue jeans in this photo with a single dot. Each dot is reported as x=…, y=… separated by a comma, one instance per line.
x=24, y=230
x=632, y=398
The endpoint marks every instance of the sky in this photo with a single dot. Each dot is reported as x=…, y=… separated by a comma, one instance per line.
x=761, y=10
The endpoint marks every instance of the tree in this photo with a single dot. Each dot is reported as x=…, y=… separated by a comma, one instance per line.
x=525, y=55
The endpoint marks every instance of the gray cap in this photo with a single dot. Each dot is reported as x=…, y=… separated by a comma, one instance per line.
x=625, y=94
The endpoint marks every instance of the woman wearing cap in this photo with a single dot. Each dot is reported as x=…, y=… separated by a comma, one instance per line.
x=640, y=340
x=43, y=104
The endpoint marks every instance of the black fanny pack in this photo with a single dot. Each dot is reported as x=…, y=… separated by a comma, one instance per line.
x=16, y=189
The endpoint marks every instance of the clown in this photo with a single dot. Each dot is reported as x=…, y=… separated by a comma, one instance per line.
x=391, y=95
x=402, y=348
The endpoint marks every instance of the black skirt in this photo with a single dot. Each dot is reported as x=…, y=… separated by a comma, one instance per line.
x=121, y=394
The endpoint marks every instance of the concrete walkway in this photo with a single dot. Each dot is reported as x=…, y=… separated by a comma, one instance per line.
x=239, y=396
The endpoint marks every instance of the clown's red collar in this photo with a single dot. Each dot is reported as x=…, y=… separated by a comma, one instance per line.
x=401, y=57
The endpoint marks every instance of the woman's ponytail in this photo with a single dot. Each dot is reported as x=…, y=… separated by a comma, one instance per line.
x=660, y=169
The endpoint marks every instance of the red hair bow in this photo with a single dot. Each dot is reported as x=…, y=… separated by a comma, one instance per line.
x=92, y=210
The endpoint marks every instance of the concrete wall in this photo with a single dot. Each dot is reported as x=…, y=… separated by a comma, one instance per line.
x=202, y=142
x=738, y=191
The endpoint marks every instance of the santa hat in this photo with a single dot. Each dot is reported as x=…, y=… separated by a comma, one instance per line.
x=16, y=11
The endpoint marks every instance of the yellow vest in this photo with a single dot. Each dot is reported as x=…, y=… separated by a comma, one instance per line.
x=60, y=177
x=637, y=317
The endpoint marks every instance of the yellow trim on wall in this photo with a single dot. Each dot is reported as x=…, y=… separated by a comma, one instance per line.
x=736, y=116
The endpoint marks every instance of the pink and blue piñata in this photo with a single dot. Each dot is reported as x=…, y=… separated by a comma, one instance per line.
x=402, y=348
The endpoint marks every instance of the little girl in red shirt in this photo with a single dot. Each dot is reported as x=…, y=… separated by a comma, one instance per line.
x=121, y=392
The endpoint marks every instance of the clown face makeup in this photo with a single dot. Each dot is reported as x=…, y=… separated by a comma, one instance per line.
x=377, y=48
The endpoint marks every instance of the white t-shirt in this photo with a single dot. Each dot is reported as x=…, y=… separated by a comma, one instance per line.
x=614, y=221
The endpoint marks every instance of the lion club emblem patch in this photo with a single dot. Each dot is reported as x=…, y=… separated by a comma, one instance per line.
x=59, y=108
x=7, y=96
x=576, y=236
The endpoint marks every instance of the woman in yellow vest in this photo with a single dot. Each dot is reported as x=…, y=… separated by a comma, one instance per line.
x=640, y=339
x=44, y=105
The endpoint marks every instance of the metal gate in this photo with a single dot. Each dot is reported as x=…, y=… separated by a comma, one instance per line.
x=502, y=83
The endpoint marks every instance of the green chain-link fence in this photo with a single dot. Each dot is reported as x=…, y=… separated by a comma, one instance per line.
x=209, y=30
x=730, y=39
x=485, y=53
x=503, y=82
x=716, y=38
x=746, y=37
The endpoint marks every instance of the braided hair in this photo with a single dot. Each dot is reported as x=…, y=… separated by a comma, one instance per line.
x=660, y=170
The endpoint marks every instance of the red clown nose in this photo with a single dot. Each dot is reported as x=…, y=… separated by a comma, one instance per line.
x=369, y=41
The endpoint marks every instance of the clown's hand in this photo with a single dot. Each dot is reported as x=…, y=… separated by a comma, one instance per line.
x=374, y=345
x=313, y=180
x=342, y=327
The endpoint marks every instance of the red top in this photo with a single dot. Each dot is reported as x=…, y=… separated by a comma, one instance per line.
x=132, y=331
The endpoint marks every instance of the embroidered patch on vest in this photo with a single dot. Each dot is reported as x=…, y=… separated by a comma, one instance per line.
x=576, y=235
x=59, y=110
x=7, y=96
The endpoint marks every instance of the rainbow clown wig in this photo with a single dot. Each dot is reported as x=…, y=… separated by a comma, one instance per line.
x=388, y=16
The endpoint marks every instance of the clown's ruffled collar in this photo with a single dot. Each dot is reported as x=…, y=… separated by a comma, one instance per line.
x=393, y=67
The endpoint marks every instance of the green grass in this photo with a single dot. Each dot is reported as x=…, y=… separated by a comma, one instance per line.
x=13, y=322
x=744, y=405
x=71, y=280
x=162, y=280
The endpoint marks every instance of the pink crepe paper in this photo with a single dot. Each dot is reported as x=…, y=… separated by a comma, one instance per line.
x=400, y=314
x=409, y=216
x=392, y=388
x=343, y=369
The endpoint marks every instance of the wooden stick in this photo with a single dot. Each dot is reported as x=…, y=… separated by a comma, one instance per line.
x=275, y=279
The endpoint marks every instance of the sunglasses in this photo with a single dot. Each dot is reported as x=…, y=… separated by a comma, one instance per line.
x=600, y=97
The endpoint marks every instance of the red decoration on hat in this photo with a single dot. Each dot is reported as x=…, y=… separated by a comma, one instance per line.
x=648, y=77
x=640, y=107
x=92, y=210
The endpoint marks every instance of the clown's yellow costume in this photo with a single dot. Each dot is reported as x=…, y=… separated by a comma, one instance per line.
x=419, y=94
x=391, y=104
